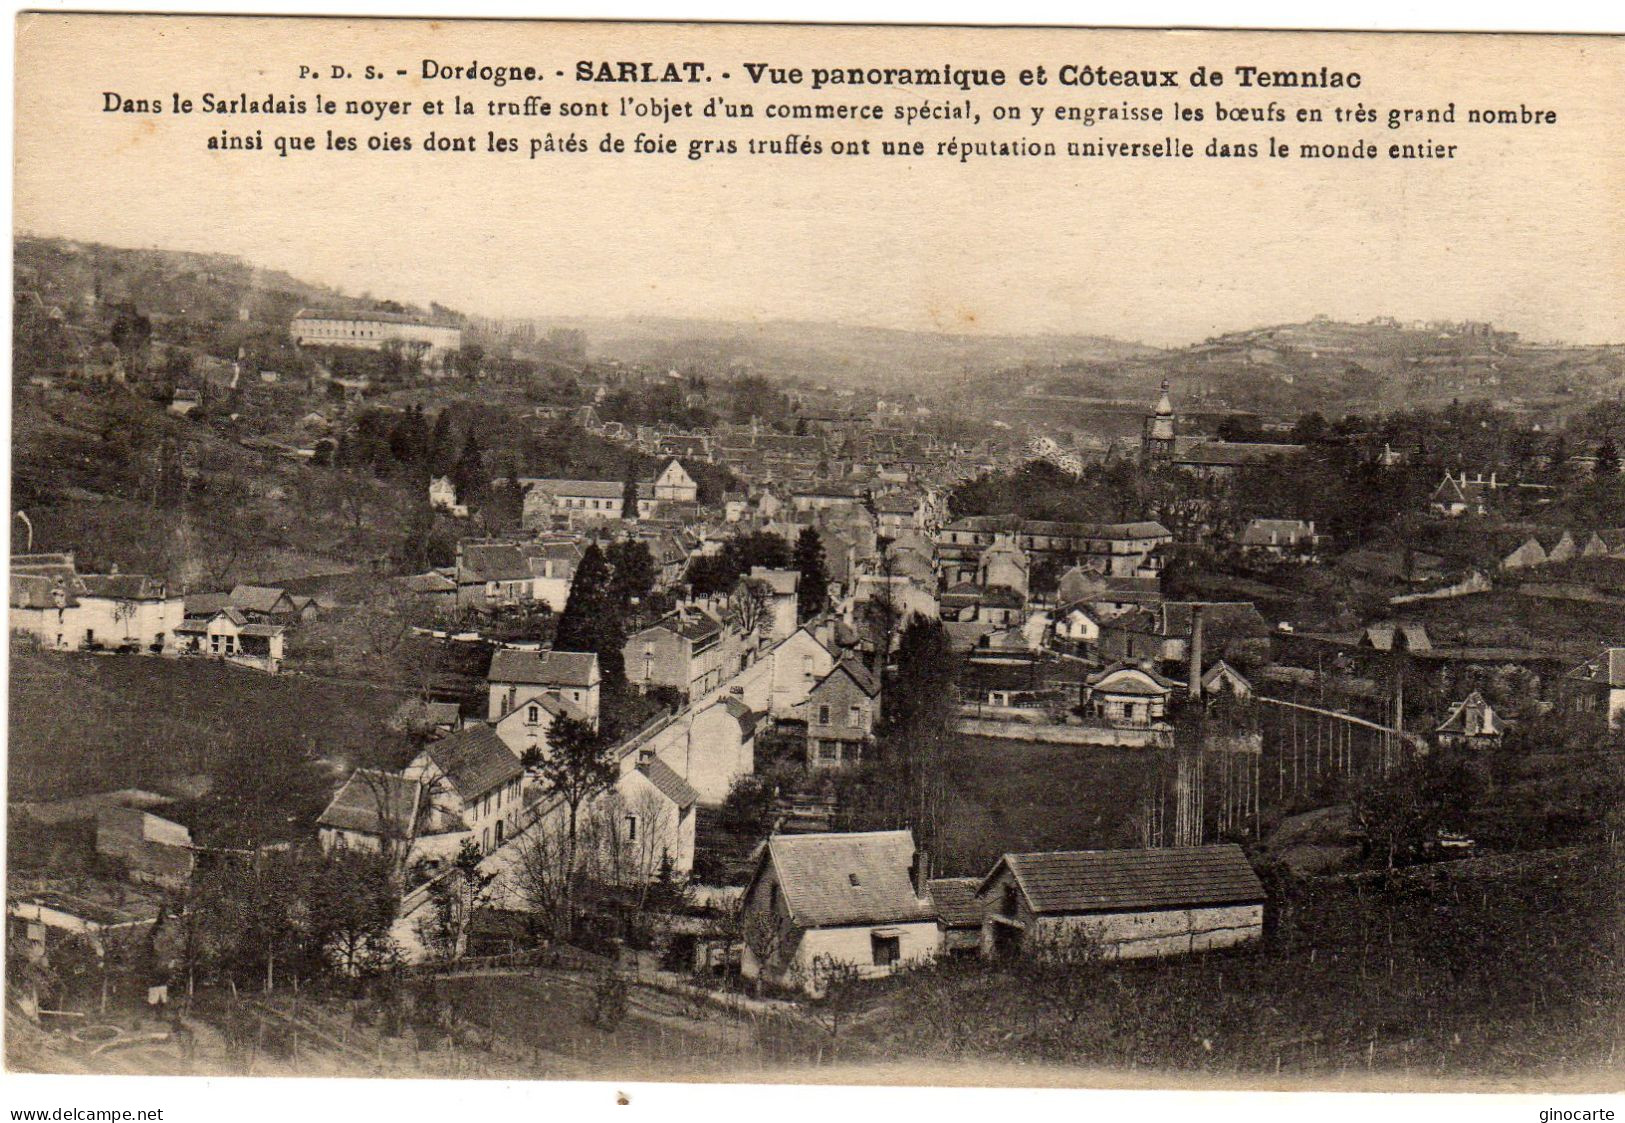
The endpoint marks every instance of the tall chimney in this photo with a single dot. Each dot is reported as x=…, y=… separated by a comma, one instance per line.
x=1196, y=653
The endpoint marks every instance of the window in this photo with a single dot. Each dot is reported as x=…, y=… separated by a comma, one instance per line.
x=1008, y=905
x=854, y=716
x=485, y=839
x=853, y=880
x=631, y=828
x=829, y=750
x=533, y=715
x=886, y=948
x=823, y=715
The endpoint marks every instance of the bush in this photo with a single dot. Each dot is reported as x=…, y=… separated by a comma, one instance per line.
x=609, y=1001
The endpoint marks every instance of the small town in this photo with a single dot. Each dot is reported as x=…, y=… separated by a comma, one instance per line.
x=397, y=691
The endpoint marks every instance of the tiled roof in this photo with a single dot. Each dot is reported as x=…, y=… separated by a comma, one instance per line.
x=671, y=785
x=364, y=317
x=206, y=604
x=1082, y=881
x=744, y=715
x=430, y=582
x=858, y=673
x=257, y=598
x=1408, y=636
x=1473, y=717
x=1275, y=532
x=1607, y=668
x=543, y=668
x=36, y=591
x=782, y=582
x=954, y=898
x=121, y=586
x=552, y=703
x=838, y=879
x=474, y=760
x=1123, y=678
x=492, y=562
x=373, y=802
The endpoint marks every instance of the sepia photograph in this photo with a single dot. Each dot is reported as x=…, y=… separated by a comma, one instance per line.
x=816, y=554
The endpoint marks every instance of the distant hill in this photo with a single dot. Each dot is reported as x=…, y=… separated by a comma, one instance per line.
x=1338, y=367
x=83, y=279
x=840, y=354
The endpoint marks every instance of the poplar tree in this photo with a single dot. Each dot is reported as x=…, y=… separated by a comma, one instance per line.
x=813, y=591
x=919, y=704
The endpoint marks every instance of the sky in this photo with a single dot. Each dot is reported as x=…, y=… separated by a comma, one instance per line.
x=1524, y=227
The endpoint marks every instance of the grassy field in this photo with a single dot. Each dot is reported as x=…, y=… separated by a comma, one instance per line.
x=87, y=723
x=1015, y=796
x=546, y=1019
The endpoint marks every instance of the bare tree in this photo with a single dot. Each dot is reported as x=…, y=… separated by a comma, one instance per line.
x=766, y=935
x=834, y=982
x=750, y=605
x=540, y=876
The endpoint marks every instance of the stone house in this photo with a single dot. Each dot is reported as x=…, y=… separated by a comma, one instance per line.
x=841, y=713
x=686, y=651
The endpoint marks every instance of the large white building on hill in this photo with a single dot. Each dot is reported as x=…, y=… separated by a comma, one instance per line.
x=370, y=331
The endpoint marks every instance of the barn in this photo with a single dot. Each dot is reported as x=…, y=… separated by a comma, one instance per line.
x=1121, y=903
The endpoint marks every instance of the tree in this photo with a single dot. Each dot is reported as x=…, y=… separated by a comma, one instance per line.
x=1607, y=458
x=747, y=812
x=454, y=898
x=409, y=441
x=632, y=573
x=131, y=333
x=1402, y=812
x=468, y=359
x=919, y=707
x=750, y=605
x=578, y=766
x=543, y=875
x=468, y=476
x=442, y=445
x=351, y=897
x=766, y=935
x=629, y=490
x=813, y=590
x=592, y=620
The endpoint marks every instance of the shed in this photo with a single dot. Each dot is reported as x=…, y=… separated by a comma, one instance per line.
x=1121, y=903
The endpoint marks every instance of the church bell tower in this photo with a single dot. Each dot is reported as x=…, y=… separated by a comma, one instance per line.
x=1157, y=439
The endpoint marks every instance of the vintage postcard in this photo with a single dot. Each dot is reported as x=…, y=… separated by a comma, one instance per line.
x=817, y=554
